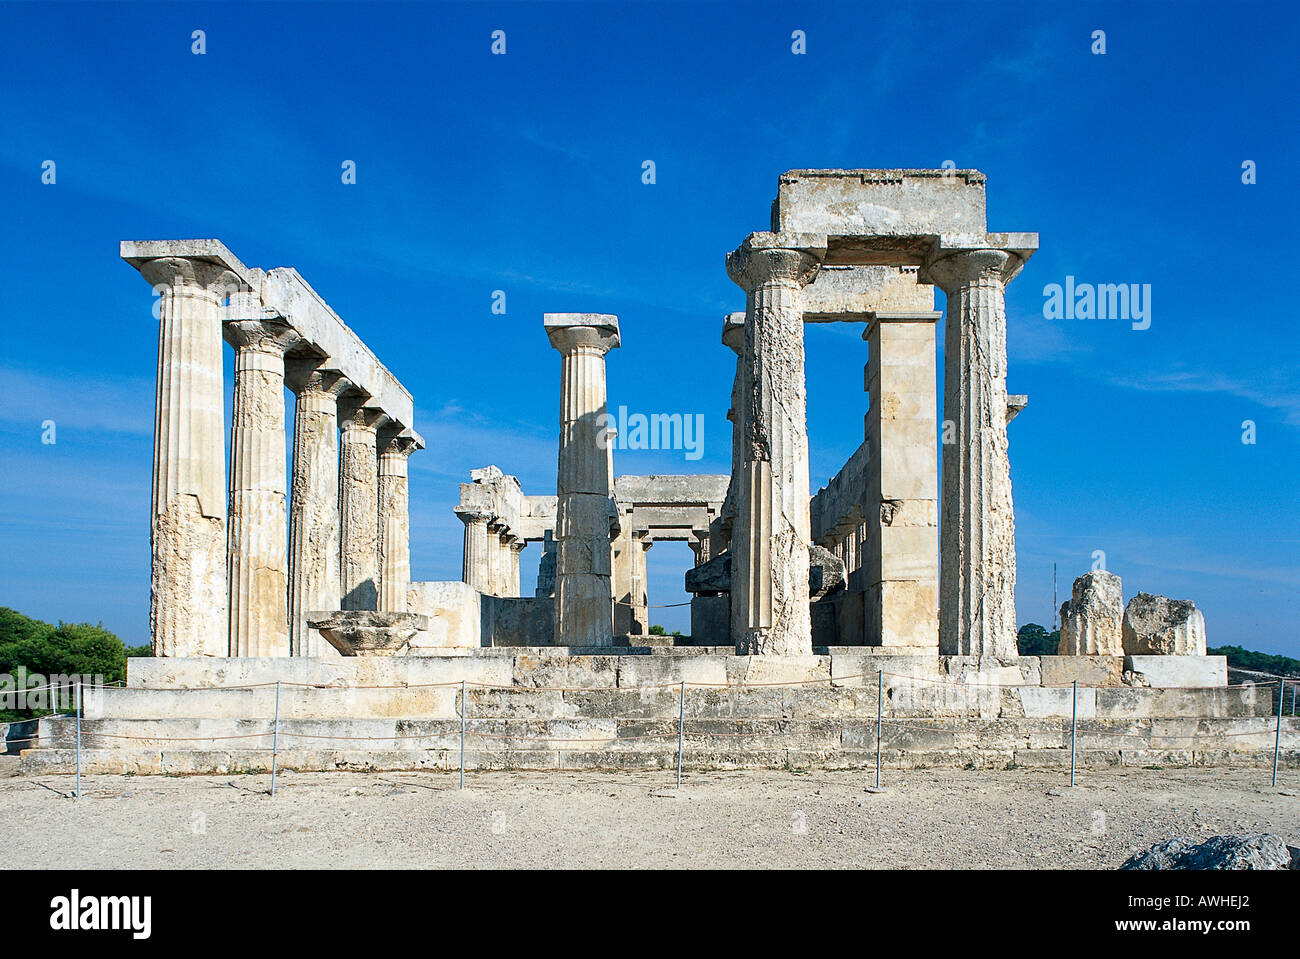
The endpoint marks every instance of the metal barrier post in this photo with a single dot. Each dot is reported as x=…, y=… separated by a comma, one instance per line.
x=880, y=700
x=681, y=731
x=78, y=741
x=275, y=738
x=462, y=734
x=1074, y=725
x=1277, y=737
x=1293, y=688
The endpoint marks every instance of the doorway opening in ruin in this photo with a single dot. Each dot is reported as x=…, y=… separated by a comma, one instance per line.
x=666, y=565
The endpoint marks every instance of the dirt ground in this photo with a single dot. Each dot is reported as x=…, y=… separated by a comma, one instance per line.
x=924, y=818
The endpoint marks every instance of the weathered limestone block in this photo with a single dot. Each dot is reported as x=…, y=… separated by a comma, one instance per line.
x=258, y=547
x=189, y=598
x=1159, y=626
x=825, y=573
x=314, y=504
x=978, y=557
x=359, y=502
x=1092, y=619
x=771, y=532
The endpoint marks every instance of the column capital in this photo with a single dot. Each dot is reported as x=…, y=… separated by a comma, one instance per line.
x=355, y=415
x=271, y=336
x=733, y=332
x=310, y=375
x=468, y=515
x=571, y=332
x=395, y=442
x=181, y=271
x=951, y=269
x=789, y=258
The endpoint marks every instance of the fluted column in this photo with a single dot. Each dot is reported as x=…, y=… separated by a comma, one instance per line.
x=583, y=597
x=188, y=595
x=394, y=521
x=733, y=337
x=259, y=551
x=977, y=615
x=771, y=532
x=640, y=587
x=314, y=579
x=494, y=560
x=474, y=569
x=359, y=503
x=516, y=585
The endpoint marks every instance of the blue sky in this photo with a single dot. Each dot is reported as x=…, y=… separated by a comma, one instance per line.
x=523, y=173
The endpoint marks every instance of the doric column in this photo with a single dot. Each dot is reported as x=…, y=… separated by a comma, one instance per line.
x=516, y=547
x=495, y=562
x=771, y=532
x=901, y=501
x=506, y=573
x=640, y=586
x=315, y=584
x=733, y=338
x=359, y=502
x=474, y=569
x=394, y=520
x=259, y=549
x=978, y=558
x=188, y=601
x=583, y=597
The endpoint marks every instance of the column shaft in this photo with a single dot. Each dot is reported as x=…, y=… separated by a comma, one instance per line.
x=258, y=550
x=315, y=584
x=394, y=524
x=359, y=506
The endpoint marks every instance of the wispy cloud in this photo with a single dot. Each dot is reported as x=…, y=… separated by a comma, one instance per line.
x=1268, y=391
x=76, y=401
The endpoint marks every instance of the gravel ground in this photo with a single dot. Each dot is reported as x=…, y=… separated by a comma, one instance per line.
x=924, y=818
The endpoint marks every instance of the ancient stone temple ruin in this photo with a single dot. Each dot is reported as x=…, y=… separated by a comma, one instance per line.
x=885, y=587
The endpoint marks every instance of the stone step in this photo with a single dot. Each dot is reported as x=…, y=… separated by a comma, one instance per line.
x=655, y=735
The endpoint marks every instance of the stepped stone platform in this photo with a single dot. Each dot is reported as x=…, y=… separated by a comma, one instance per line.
x=548, y=708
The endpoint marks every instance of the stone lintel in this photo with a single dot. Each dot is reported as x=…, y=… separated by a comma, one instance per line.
x=1016, y=402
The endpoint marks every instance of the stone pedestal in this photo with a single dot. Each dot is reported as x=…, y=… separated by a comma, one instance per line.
x=314, y=579
x=583, y=591
x=771, y=535
x=258, y=549
x=901, y=542
x=189, y=601
x=359, y=503
x=394, y=521
x=977, y=533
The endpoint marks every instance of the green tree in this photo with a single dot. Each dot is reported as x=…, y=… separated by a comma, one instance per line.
x=1034, y=640
x=1240, y=658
